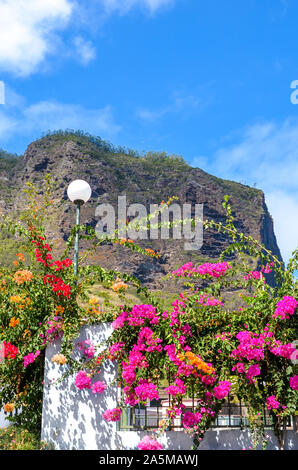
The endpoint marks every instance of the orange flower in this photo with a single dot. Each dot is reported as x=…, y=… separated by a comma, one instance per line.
x=20, y=256
x=16, y=299
x=162, y=423
x=198, y=363
x=123, y=240
x=15, y=262
x=96, y=308
x=21, y=300
x=14, y=322
x=152, y=252
x=23, y=276
x=8, y=408
x=59, y=310
x=59, y=359
x=118, y=285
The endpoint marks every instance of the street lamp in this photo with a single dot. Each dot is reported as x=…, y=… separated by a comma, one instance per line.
x=79, y=192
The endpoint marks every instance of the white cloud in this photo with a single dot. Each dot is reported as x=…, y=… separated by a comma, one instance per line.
x=7, y=125
x=13, y=99
x=123, y=6
x=180, y=102
x=27, y=32
x=84, y=50
x=48, y=115
x=31, y=30
x=284, y=210
x=266, y=155
x=32, y=120
x=151, y=115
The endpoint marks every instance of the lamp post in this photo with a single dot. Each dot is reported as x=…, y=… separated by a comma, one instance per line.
x=79, y=192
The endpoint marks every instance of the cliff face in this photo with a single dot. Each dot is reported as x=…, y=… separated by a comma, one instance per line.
x=267, y=231
x=147, y=180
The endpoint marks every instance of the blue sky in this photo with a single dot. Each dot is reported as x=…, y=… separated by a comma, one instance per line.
x=208, y=80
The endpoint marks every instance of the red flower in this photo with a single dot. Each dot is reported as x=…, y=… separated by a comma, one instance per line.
x=10, y=350
x=59, y=287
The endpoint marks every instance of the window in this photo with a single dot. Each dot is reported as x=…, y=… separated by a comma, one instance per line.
x=140, y=417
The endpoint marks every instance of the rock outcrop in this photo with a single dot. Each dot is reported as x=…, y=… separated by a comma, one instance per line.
x=143, y=179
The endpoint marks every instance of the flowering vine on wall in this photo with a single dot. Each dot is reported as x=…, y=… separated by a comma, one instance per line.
x=199, y=348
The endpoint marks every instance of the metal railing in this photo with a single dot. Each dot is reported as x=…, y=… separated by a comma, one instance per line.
x=233, y=415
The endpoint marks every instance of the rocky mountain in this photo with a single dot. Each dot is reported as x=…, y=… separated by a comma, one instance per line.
x=147, y=179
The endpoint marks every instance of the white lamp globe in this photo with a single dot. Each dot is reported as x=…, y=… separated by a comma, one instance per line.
x=79, y=190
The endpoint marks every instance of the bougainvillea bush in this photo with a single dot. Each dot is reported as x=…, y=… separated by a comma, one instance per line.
x=41, y=300
x=207, y=352
x=198, y=349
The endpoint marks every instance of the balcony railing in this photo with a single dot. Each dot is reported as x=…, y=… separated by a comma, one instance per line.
x=233, y=415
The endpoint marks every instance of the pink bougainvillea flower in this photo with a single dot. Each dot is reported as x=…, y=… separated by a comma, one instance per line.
x=190, y=419
x=149, y=443
x=146, y=390
x=294, y=382
x=285, y=307
x=138, y=315
x=178, y=389
x=252, y=371
x=98, y=387
x=82, y=380
x=253, y=275
x=87, y=347
x=30, y=358
x=222, y=390
x=239, y=367
x=210, y=269
x=283, y=350
x=113, y=414
x=272, y=403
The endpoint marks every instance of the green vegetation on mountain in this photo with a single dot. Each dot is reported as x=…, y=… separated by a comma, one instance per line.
x=144, y=177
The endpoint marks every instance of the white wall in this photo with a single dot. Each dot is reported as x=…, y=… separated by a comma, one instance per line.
x=3, y=421
x=72, y=418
